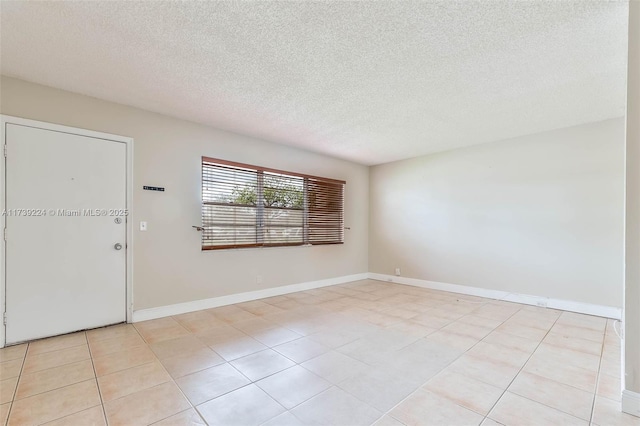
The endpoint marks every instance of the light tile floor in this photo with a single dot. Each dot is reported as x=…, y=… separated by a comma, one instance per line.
x=356, y=354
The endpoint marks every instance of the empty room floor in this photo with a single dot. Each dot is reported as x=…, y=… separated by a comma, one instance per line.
x=362, y=353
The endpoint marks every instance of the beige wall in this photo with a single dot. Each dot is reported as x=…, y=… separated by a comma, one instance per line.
x=539, y=215
x=632, y=246
x=169, y=266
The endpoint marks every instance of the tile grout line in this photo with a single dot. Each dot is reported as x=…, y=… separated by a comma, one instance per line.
x=296, y=364
x=125, y=369
x=15, y=391
x=464, y=315
x=129, y=368
x=272, y=348
x=416, y=339
x=59, y=387
x=222, y=363
x=52, y=337
x=482, y=340
x=522, y=368
x=95, y=373
x=54, y=389
x=373, y=366
x=170, y=376
x=595, y=393
x=447, y=365
x=380, y=309
x=457, y=319
x=251, y=382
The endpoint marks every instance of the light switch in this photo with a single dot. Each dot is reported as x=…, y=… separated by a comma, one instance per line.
x=143, y=226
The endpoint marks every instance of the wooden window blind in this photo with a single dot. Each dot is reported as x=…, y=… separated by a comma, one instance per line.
x=325, y=212
x=251, y=206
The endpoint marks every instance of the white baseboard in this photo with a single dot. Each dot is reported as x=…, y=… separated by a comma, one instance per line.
x=196, y=305
x=631, y=402
x=565, y=305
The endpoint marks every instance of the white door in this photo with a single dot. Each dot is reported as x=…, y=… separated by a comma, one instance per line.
x=65, y=216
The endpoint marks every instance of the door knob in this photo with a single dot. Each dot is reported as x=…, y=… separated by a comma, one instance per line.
x=117, y=246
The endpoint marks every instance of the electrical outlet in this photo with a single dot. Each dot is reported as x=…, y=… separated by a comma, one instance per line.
x=258, y=279
x=397, y=272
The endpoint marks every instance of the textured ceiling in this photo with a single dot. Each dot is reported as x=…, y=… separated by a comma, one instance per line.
x=370, y=82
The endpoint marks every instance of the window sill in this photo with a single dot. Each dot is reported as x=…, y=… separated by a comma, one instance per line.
x=270, y=247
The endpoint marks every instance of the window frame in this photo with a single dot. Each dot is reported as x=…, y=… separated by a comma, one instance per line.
x=260, y=208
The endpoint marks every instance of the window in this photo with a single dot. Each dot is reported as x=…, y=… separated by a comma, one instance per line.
x=250, y=206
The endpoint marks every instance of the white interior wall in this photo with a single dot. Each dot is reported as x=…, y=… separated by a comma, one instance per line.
x=631, y=395
x=169, y=266
x=539, y=215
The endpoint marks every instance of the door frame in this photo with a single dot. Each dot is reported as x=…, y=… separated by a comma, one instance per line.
x=6, y=119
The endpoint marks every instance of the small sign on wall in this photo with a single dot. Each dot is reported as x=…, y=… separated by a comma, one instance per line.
x=153, y=188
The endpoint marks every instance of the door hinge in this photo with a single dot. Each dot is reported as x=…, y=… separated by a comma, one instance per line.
x=4, y=318
x=5, y=234
x=5, y=150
